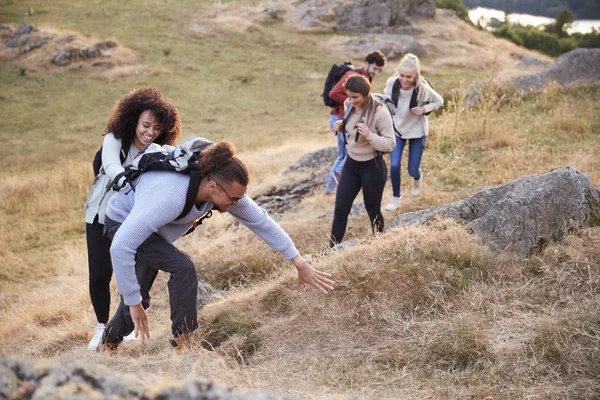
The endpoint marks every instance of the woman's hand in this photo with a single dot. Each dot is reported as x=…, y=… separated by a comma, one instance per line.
x=307, y=274
x=337, y=125
x=363, y=130
x=418, y=110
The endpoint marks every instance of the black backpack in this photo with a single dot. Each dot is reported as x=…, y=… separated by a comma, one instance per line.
x=182, y=159
x=335, y=74
x=413, y=98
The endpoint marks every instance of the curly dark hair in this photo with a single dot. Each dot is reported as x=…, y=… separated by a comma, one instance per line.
x=218, y=162
x=376, y=57
x=126, y=112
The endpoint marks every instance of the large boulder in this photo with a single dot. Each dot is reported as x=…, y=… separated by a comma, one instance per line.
x=577, y=65
x=80, y=380
x=377, y=16
x=522, y=214
x=382, y=16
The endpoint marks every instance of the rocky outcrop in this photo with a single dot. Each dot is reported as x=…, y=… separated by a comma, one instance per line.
x=577, y=65
x=522, y=214
x=25, y=38
x=391, y=45
x=80, y=380
x=68, y=55
x=379, y=16
x=315, y=169
x=382, y=16
x=50, y=49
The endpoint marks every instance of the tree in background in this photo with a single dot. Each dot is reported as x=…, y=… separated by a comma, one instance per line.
x=564, y=19
x=457, y=6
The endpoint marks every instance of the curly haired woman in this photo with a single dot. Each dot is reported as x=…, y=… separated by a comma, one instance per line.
x=141, y=117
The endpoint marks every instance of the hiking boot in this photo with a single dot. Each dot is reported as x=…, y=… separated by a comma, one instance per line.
x=394, y=204
x=182, y=341
x=97, y=338
x=108, y=346
x=417, y=185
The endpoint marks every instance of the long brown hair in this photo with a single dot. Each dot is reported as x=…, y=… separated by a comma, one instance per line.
x=218, y=162
x=124, y=117
x=360, y=84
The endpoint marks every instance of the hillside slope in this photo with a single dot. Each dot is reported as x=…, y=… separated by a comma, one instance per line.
x=427, y=312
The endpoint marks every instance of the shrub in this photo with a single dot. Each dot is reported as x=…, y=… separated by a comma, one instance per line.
x=457, y=6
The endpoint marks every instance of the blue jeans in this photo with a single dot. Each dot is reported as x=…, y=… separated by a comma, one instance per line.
x=341, y=158
x=415, y=153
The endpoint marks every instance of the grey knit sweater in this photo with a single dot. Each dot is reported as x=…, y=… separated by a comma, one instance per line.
x=153, y=207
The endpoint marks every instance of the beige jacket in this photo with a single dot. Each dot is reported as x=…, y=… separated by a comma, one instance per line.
x=381, y=139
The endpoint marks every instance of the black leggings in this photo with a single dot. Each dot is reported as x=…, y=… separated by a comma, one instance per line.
x=371, y=177
x=100, y=268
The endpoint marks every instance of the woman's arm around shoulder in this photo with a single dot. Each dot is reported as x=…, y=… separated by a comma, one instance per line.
x=111, y=156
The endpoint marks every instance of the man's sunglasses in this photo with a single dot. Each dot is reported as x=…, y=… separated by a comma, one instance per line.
x=234, y=200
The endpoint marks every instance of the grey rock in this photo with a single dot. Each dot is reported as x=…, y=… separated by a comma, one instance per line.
x=76, y=379
x=527, y=60
x=392, y=45
x=356, y=209
x=62, y=58
x=383, y=16
x=575, y=66
x=31, y=45
x=315, y=160
x=522, y=214
x=206, y=293
x=23, y=29
x=379, y=16
x=68, y=55
x=316, y=165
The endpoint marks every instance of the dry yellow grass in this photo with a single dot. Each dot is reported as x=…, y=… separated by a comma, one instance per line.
x=425, y=312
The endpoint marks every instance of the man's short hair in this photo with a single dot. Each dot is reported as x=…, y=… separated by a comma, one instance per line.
x=376, y=57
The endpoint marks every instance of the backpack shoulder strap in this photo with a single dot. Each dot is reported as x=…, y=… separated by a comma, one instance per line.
x=396, y=91
x=124, y=152
x=192, y=192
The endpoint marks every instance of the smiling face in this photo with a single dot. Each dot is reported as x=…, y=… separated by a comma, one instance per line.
x=146, y=130
x=407, y=76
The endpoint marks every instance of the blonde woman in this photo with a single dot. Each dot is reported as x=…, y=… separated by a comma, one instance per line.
x=414, y=99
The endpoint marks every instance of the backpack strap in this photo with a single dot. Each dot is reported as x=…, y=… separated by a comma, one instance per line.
x=190, y=199
x=396, y=92
x=192, y=192
x=198, y=222
x=344, y=120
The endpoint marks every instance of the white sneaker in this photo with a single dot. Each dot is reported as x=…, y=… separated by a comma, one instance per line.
x=95, y=342
x=417, y=185
x=129, y=338
x=394, y=204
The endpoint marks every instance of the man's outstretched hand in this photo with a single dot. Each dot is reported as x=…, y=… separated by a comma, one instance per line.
x=138, y=315
x=310, y=276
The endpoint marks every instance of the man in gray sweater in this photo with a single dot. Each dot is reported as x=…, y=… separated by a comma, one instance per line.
x=143, y=225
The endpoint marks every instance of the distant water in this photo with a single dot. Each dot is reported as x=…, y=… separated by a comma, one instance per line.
x=580, y=25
